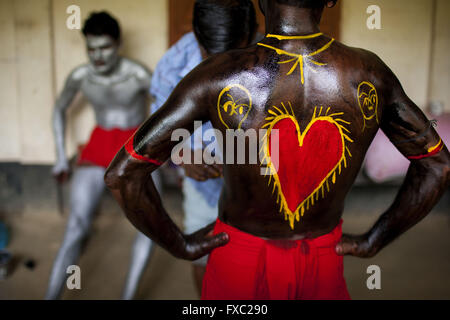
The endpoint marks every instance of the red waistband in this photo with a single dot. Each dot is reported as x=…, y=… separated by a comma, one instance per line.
x=328, y=240
x=249, y=267
x=103, y=145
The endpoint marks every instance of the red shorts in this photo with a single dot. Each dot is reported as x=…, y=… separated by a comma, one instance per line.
x=250, y=268
x=103, y=146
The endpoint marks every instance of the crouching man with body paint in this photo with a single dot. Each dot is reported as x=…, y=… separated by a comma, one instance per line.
x=117, y=88
x=279, y=236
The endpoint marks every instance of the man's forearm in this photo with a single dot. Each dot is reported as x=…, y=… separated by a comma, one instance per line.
x=59, y=125
x=142, y=205
x=422, y=188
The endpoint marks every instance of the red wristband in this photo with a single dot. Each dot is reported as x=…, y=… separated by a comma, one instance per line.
x=130, y=149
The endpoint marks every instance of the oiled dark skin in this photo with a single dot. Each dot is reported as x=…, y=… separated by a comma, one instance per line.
x=247, y=202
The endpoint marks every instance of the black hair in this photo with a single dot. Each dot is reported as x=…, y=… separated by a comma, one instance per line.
x=101, y=23
x=221, y=25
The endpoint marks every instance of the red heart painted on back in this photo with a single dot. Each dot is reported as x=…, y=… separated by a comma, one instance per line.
x=306, y=160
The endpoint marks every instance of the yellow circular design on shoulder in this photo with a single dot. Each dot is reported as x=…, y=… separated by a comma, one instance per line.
x=368, y=101
x=234, y=101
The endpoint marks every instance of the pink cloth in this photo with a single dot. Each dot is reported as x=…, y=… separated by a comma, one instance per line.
x=384, y=162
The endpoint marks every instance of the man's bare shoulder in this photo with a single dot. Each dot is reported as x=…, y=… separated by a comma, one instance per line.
x=77, y=76
x=138, y=70
x=349, y=61
x=231, y=64
x=360, y=63
x=79, y=73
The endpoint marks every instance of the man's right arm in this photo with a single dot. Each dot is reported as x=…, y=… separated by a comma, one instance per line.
x=71, y=87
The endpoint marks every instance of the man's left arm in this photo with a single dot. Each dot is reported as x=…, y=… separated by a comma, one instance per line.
x=129, y=175
x=427, y=178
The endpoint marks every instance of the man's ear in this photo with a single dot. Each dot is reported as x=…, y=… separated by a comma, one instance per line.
x=119, y=43
x=331, y=3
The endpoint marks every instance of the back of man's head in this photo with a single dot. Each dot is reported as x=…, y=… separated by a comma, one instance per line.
x=304, y=3
x=102, y=23
x=221, y=25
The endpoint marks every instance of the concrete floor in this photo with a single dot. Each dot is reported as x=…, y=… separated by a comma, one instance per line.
x=416, y=266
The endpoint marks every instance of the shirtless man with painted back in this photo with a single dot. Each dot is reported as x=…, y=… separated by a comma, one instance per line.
x=278, y=235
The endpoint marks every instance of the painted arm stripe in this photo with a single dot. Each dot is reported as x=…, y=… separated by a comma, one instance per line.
x=431, y=151
x=130, y=149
